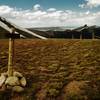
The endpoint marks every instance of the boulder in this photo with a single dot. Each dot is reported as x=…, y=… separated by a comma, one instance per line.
x=18, y=89
x=23, y=81
x=3, y=88
x=4, y=74
x=17, y=74
x=13, y=81
x=2, y=80
x=9, y=87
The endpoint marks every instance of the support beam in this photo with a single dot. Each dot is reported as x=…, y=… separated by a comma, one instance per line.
x=10, y=58
x=22, y=31
x=11, y=53
x=93, y=35
x=72, y=36
x=80, y=36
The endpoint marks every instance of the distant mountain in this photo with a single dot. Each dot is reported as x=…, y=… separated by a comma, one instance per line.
x=63, y=28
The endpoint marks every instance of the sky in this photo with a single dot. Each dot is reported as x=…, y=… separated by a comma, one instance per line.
x=51, y=13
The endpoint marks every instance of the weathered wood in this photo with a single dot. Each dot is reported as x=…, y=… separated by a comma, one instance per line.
x=80, y=35
x=22, y=31
x=93, y=35
x=11, y=54
x=10, y=58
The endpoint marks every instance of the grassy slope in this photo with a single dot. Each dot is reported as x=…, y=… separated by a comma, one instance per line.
x=50, y=66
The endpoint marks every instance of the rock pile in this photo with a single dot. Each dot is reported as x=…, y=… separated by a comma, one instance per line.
x=16, y=82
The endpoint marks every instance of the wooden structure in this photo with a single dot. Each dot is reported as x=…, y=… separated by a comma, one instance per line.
x=6, y=26
x=11, y=77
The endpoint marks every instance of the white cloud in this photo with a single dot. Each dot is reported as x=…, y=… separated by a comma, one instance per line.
x=5, y=9
x=51, y=17
x=90, y=4
x=51, y=9
x=37, y=7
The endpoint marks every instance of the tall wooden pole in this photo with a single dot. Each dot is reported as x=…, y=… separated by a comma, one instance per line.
x=11, y=54
x=10, y=59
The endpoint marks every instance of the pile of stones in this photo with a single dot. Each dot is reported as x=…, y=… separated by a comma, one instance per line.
x=16, y=82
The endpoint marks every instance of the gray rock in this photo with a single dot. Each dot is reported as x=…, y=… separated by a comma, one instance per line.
x=9, y=87
x=17, y=89
x=12, y=81
x=17, y=74
x=23, y=81
x=4, y=74
x=3, y=88
x=2, y=80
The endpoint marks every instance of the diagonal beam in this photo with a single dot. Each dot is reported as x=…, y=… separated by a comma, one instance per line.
x=21, y=30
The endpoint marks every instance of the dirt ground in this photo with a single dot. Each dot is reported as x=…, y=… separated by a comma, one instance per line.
x=55, y=69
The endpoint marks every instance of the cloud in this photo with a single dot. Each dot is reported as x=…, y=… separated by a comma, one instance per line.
x=51, y=10
x=5, y=9
x=90, y=4
x=37, y=7
x=38, y=17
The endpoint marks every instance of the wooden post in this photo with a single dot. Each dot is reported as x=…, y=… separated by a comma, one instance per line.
x=72, y=36
x=10, y=59
x=11, y=54
x=80, y=35
x=93, y=35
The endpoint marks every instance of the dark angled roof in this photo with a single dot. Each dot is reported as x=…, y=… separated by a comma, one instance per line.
x=81, y=28
x=5, y=27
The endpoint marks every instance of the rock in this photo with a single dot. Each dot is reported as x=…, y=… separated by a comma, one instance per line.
x=17, y=74
x=23, y=81
x=2, y=80
x=4, y=74
x=12, y=81
x=9, y=87
x=17, y=89
x=3, y=88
